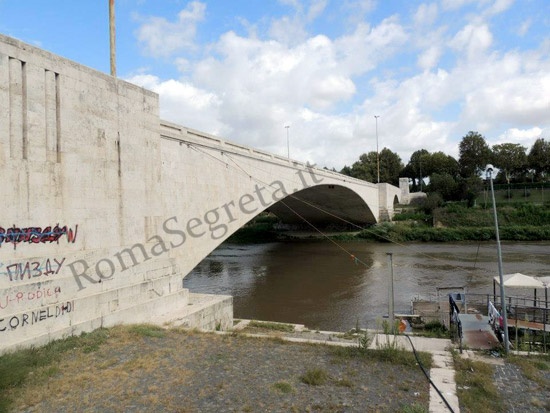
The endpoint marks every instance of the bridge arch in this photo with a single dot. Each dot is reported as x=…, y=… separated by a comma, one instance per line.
x=322, y=205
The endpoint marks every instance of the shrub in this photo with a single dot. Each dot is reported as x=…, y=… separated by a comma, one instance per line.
x=314, y=377
x=283, y=386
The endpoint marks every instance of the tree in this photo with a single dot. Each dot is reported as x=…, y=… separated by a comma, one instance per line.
x=390, y=166
x=469, y=188
x=439, y=163
x=539, y=158
x=346, y=170
x=510, y=158
x=445, y=185
x=415, y=168
x=474, y=154
x=366, y=167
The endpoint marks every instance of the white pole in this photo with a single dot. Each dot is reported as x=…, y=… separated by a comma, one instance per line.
x=390, y=292
x=499, y=253
x=287, y=141
x=112, y=36
x=377, y=153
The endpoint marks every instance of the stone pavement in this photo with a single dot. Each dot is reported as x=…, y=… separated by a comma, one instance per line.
x=520, y=394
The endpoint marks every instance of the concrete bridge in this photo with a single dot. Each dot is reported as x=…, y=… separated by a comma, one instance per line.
x=106, y=208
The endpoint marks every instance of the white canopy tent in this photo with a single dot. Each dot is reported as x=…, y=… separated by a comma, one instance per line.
x=519, y=280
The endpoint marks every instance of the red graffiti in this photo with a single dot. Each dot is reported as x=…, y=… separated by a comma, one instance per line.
x=35, y=235
x=33, y=269
x=31, y=295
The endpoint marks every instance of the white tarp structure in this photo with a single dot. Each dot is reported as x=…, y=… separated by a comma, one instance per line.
x=519, y=280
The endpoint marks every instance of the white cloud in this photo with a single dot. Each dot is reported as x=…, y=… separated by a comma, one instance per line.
x=159, y=37
x=525, y=137
x=358, y=9
x=473, y=39
x=183, y=103
x=316, y=9
x=524, y=28
x=457, y=4
x=288, y=30
x=248, y=87
x=499, y=6
x=429, y=57
x=425, y=14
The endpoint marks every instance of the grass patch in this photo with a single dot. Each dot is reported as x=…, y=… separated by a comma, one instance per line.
x=343, y=382
x=432, y=329
x=387, y=355
x=314, y=377
x=147, y=330
x=265, y=325
x=413, y=408
x=475, y=388
x=283, y=387
x=42, y=361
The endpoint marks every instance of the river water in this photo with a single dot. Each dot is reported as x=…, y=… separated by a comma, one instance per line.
x=316, y=284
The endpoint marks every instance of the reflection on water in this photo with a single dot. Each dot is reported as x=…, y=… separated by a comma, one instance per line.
x=314, y=283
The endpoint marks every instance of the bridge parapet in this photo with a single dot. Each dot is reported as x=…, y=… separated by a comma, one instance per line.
x=170, y=130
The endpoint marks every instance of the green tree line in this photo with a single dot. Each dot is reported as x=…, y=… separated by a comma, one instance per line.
x=458, y=179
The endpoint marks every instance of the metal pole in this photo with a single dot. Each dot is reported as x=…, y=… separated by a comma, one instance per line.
x=287, y=141
x=500, y=276
x=112, y=36
x=421, y=177
x=377, y=153
x=390, y=291
x=517, y=348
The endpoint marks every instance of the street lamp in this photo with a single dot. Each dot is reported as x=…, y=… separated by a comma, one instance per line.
x=287, y=127
x=489, y=171
x=112, y=36
x=377, y=153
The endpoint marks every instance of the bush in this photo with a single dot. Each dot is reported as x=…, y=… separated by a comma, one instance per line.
x=314, y=377
x=433, y=201
x=411, y=215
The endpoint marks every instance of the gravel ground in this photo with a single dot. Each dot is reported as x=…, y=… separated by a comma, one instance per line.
x=205, y=373
x=518, y=392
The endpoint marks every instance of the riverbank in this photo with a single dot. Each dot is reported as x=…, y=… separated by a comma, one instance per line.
x=448, y=223
x=148, y=368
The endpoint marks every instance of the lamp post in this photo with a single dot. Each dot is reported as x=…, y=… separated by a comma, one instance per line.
x=287, y=127
x=377, y=153
x=489, y=170
x=112, y=36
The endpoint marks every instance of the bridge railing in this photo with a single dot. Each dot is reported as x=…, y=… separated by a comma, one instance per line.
x=177, y=132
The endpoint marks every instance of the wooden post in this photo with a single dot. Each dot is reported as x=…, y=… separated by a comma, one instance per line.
x=112, y=36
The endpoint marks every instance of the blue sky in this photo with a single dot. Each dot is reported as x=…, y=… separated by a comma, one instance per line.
x=244, y=69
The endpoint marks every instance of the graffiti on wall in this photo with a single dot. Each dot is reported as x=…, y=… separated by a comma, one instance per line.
x=37, y=235
x=33, y=269
x=32, y=295
x=34, y=317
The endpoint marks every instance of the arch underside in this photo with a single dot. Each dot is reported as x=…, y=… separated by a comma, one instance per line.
x=335, y=199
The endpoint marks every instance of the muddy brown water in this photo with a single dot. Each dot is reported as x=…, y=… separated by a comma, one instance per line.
x=316, y=284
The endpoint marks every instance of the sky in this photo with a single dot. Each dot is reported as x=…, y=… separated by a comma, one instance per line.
x=245, y=69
